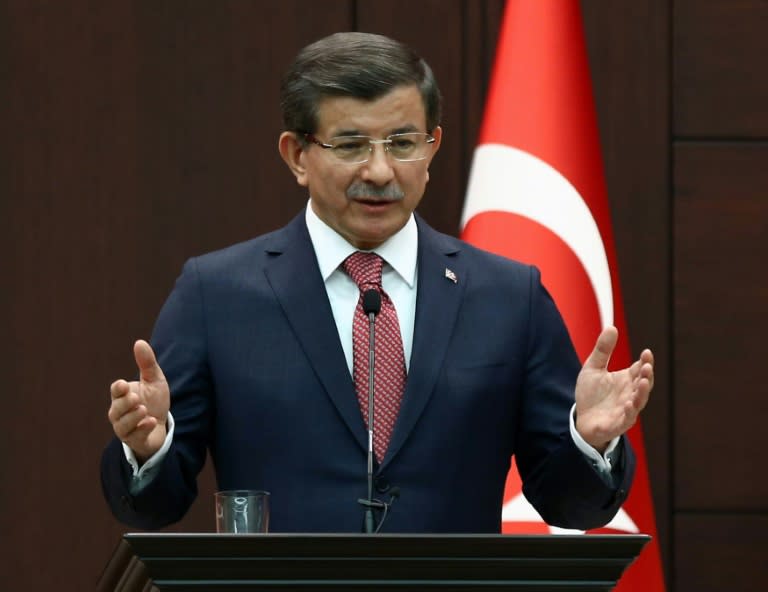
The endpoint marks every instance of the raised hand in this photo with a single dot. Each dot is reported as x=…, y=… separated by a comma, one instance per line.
x=139, y=409
x=608, y=403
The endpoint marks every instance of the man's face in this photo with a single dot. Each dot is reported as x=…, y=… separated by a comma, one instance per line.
x=369, y=202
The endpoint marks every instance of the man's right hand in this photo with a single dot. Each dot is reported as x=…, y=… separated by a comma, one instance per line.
x=139, y=409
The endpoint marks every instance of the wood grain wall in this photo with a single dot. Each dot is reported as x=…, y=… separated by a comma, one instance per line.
x=719, y=490
x=134, y=135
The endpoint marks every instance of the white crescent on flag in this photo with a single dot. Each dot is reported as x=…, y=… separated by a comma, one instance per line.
x=507, y=179
x=518, y=509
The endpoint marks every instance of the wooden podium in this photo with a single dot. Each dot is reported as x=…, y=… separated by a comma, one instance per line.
x=343, y=562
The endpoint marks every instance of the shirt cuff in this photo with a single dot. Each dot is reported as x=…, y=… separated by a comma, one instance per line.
x=602, y=462
x=143, y=475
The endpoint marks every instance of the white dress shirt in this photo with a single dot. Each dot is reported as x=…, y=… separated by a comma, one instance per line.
x=398, y=278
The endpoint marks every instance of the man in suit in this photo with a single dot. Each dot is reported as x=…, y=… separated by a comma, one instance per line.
x=253, y=356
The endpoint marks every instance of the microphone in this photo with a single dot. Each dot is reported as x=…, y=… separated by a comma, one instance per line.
x=371, y=303
x=371, y=307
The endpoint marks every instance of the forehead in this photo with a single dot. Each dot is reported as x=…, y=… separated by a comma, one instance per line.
x=401, y=109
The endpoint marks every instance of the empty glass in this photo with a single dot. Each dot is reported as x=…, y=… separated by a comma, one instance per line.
x=242, y=511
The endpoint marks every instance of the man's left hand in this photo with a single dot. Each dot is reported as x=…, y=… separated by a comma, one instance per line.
x=608, y=403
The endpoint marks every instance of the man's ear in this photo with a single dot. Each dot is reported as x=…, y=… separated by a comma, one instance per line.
x=292, y=152
x=437, y=134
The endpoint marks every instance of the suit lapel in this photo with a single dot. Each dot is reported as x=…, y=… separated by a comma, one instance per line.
x=294, y=276
x=442, y=278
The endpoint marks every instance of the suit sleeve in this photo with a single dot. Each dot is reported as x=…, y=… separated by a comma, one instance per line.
x=558, y=479
x=179, y=340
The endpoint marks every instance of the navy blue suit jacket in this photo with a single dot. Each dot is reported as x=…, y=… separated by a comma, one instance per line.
x=257, y=374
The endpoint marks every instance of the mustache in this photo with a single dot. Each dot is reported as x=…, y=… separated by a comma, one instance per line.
x=360, y=190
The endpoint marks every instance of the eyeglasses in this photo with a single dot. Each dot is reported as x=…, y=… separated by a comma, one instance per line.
x=358, y=149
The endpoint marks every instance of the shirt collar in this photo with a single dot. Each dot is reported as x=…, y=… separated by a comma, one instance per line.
x=399, y=250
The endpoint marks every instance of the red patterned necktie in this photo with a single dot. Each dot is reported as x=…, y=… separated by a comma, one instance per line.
x=389, y=370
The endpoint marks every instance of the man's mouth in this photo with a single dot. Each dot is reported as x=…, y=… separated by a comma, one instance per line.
x=374, y=201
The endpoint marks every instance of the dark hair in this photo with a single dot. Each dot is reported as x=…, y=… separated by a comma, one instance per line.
x=359, y=65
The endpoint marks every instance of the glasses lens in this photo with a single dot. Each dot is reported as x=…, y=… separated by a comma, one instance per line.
x=412, y=146
x=351, y=149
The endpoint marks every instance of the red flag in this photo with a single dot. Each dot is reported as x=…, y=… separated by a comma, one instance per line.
x=537, y=194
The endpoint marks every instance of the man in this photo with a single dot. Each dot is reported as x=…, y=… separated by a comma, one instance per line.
x=257, y=362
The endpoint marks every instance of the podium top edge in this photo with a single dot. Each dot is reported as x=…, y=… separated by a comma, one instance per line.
x=391, y=536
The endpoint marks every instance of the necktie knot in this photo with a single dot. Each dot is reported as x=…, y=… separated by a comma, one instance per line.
x=364, y=269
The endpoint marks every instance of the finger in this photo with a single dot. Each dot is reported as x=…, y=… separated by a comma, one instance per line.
x=146, y=425
x=641, y=395
x=642, y=367
x=119, y=388
x=646, y=356
x=604, y=346
x=630, y=414
x=128, y=422
x=634, y=370
x=647, y=373
x=122, y=405
x=137, y=437
x=149, y=370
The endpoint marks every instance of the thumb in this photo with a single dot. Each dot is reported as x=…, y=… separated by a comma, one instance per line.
x=600, y=356
x=149, y=370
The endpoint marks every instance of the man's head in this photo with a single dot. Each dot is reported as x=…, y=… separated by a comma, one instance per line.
x=358, y=65
x=361, y=114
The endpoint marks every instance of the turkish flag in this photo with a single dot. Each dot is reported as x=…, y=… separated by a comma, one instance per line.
x=537, y=194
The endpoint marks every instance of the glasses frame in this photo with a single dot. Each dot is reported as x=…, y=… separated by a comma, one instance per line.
x=385, y=144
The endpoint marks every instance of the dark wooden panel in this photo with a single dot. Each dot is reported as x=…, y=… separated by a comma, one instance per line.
x=721, y=290
x=481, y=22
x=720, y=552
x=628, y=44
x=720, y=86
x=71, y=139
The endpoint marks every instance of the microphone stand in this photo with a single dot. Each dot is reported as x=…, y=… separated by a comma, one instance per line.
x=371, y=307
x=369, y=524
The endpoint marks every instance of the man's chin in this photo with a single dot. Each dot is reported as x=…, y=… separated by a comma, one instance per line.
x=370, y=238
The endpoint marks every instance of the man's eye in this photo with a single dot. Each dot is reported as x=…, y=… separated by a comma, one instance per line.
x=349, y=146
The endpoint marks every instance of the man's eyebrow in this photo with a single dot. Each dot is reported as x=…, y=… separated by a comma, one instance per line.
x=347, y=132
x=404, y=129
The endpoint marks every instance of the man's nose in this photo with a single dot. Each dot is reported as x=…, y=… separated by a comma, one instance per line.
x=378, y=169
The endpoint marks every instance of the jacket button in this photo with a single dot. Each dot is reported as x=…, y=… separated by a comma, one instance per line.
x=382, y=485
